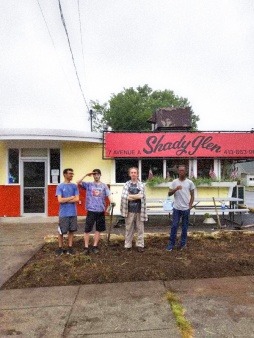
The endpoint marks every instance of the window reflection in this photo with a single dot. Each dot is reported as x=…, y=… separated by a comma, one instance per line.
x=204, y=167
x=154, y=166
x=172, y=167
x=13, y=170
x=122, y=167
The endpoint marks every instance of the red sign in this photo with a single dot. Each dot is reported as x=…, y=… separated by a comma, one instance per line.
x=184, y=144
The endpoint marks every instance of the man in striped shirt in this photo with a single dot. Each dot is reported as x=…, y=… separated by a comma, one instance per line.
x=133, y=209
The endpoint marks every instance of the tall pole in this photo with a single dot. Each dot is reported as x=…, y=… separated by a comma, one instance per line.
x=91, y=118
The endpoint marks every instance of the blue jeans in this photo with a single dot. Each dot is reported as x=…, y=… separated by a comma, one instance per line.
x=177, y=215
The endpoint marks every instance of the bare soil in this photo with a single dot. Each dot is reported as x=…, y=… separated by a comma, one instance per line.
x=219, y=254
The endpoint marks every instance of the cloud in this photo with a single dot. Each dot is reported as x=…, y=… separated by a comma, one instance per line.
x=200, y=50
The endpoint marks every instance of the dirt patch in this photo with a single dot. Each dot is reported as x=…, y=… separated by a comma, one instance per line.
x=208, y=255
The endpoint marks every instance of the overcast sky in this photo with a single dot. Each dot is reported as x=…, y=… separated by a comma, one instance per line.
x=202, y=50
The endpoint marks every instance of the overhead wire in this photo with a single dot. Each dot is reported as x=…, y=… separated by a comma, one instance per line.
x=72, y=55
x=81, y=38
x=52, y=40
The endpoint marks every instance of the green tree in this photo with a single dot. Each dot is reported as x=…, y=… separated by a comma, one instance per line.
x=131, y=108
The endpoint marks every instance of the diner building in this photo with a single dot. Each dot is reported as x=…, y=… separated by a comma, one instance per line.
x=32, y=161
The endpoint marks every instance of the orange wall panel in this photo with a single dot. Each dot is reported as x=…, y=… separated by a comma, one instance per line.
x=53, y=205
x=10, y=200
x=81, y=205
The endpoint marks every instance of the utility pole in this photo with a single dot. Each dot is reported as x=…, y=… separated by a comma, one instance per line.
x=91, y=118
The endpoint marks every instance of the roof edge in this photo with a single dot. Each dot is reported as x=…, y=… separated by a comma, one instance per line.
x=49, y=134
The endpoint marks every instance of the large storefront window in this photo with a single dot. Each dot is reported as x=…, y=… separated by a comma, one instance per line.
x=221, y=169
x=154, y=166
x=149, y=167
x=122, y=167
x=13, y=170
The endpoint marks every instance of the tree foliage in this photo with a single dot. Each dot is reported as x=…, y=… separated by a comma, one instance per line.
x=130, y=109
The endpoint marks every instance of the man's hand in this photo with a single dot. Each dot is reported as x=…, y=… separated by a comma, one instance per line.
x=179, y=187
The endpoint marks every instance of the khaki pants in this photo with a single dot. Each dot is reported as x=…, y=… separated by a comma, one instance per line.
x=133, y=221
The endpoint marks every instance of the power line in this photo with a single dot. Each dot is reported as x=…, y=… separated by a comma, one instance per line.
x=53, y=43
x=81, y=37
x=72, y=56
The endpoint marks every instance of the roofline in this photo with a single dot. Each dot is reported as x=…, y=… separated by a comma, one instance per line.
x=50, y=135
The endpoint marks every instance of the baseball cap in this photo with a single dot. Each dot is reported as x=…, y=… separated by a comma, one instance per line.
x=97, y=171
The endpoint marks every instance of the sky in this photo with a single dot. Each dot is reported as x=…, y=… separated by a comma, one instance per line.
x=201, y=50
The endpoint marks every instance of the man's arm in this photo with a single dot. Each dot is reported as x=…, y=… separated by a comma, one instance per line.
x=71, y=199
x=138, y=196
x=191, y=198
x=79, y=182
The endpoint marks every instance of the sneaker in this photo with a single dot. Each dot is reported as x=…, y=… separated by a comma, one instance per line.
x=59, y=252
x=170, y=247
x=140, y=249
x=86, y=251
x=70, y=251
x=95, y=249
x=128, y=249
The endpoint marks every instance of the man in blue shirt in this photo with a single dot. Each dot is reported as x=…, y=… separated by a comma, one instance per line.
x=96, y=194
x=67, y=194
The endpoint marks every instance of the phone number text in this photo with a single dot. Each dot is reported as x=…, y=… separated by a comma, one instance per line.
x=239, y=152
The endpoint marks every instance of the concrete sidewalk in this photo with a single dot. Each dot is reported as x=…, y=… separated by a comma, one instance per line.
x=215, y=307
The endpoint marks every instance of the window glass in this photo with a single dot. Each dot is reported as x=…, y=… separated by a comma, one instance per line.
x=204, y=167
x=154, y=166
x=55, y=166
x=34, y=152
x=234, y=169
x=227, y=168
x=13, y=170
x=172, y=166
x=122, y=167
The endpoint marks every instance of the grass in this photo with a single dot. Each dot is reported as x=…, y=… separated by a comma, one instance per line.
x=178, y=312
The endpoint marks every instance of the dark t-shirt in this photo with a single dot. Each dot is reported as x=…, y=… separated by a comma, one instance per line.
x=134, y=206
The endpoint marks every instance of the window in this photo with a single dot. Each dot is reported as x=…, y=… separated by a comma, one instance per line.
x=227, y=168
x=55, y=166
x=13, y=167
x=122, y=167
x=154, y=165
x=172, y=166
x=34, y=152
x=204, y=167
